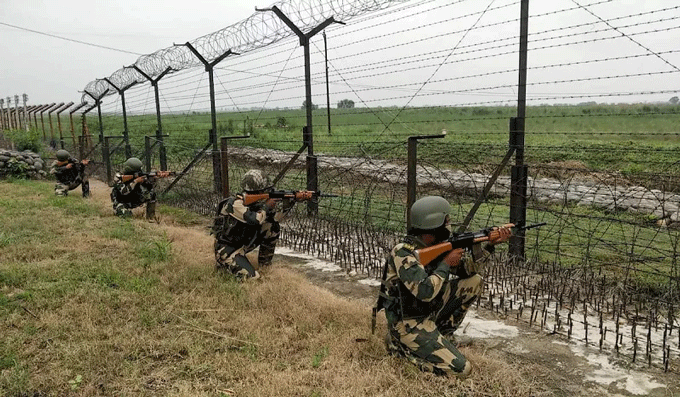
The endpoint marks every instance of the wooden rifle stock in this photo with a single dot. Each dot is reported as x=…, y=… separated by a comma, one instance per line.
x=458, y=240
x=299, y=195
x=128, y=177
x=462, y=240
x=428, y=254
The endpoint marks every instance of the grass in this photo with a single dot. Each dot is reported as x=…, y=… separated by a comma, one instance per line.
x=614, y=137
x=91, y=304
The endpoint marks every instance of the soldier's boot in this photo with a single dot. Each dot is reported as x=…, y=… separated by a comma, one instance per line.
x=242, y=269
x=266, y=253
x=86, y=189
x=151, y=210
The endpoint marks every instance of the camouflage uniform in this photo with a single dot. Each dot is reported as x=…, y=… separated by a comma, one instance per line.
x=425, y=305
x=240, y=229
x=69, y=178
x=128, y=195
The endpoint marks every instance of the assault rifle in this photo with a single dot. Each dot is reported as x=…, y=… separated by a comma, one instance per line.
x=297, y=195
x=463, y=240
x=80, y=163
x=148, y=175
x=428, y=254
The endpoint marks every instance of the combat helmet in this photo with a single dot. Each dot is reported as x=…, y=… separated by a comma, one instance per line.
x=132, y=165
x=255, y=181
x=63, y=155
x=429, y=212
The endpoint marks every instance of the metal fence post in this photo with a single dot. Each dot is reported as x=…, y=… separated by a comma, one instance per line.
x=517, y=129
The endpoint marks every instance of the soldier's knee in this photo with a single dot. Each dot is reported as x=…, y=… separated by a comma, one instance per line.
x=465, y=372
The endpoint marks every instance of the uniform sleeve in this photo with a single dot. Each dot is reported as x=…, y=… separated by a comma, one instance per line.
x=245, y=214
x=122, y=187
x=418, y=281
x=55, y=169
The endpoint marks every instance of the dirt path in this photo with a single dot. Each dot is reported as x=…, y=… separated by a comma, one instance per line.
x=571, y=369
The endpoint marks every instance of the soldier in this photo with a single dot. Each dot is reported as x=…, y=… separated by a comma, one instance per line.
x=70, y=174
x=423, y=305
x=240, y=228
x=133, y=188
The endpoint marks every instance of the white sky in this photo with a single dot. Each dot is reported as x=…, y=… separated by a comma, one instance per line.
x=50, y=69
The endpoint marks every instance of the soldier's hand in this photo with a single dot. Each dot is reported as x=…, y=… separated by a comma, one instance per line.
x=163, y=174
x=85, y=162
x=271, y=203
x=499, y=235
x=140, y=179
x=69, y=165
x=453, y=258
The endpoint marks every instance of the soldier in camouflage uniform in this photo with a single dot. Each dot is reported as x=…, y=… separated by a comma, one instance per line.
x=132, y=188
x=425, y=305
x=240, y=228
x=70, y=173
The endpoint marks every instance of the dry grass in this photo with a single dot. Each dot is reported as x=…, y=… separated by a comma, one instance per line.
x=105, y=306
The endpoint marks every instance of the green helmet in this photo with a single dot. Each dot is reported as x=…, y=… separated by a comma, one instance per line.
x=62, y=155
x=255, y=181
x=429, y=212
x=132, y=165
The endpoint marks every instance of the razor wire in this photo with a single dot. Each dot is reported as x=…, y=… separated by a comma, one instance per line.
x=259, y=30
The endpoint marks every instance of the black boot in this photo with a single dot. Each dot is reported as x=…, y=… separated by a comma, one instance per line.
x=151, y=210
x=86, y=189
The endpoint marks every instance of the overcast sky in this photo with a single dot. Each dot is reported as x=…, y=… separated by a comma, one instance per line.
x=50, y=69
x=53, y=49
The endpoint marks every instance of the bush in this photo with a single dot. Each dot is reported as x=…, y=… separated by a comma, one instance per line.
x=26, y=140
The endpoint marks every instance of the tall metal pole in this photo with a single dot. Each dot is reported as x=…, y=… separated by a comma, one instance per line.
x=159, y=131
x=73, y=131
x=9, y=112
x=328, y=95
x=53, y=143
x=26, y=120
x=126, y=137
x=61, y=134
x=42, y=119
x=307, y=131
x=2, y=114
x=518, y=202
x=220, y=167
x=16, y=112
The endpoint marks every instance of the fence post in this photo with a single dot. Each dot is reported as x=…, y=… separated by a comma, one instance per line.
x=159, y=131
x=121, y=92
x=147, y=152
x=107, y=159
x=312, y=173
x=61, y=135
x=517, y=128
x=220, y=173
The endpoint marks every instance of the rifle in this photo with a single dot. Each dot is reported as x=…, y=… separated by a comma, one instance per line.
x=463, y=240
x=297, y=195
x=148, y=175
x=77, y=163
x=428, y=254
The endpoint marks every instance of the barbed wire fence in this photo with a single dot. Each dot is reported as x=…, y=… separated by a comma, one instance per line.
x=601, y=144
